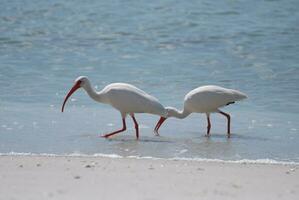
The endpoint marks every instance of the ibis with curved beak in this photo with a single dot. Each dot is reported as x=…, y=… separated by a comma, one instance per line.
x=126, y=98
x=206, y=99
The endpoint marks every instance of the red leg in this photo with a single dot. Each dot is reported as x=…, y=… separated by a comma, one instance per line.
x=136, y=126
x=115, y=132
x=160, y=122
x=209, y=125
x=228, y=122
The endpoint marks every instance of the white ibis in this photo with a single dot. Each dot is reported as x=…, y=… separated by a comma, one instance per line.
x=206, y=99
x=126, y=98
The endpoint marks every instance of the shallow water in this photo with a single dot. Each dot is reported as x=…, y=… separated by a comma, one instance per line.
x=165, y=48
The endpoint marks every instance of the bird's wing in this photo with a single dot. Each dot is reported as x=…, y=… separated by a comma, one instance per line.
x=130, y=99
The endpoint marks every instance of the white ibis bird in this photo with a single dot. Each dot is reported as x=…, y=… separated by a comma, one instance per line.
x=206, y=99
x=126, y=98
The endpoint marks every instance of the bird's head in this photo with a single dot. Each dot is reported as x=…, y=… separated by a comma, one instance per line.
x=81, y=81
x=171, y=111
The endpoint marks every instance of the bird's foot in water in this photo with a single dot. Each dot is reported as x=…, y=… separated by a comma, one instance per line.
x=104, y=136
x=156, y=133
x=207, y=135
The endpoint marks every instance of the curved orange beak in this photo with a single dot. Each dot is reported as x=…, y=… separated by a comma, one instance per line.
x=74, y=88
x=160, y=122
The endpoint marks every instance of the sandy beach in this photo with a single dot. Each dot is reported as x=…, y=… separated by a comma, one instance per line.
x=59, y=177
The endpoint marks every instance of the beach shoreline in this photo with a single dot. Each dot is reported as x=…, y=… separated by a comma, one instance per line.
x=81, y=177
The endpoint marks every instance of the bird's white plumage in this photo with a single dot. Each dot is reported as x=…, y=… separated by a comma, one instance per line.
x=126, y=98
x=207, y=99
x=129, y=99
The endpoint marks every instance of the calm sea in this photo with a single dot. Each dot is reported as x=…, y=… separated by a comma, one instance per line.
x=165, y=48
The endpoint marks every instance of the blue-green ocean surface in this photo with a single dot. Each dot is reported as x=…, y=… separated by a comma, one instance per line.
x=166, y=48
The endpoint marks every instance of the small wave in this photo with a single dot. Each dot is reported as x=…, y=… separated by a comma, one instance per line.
x=241, y=161
x=62, y=155
x=228, y=13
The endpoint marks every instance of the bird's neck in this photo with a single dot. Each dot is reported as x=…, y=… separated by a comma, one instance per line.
x=97, y=96
x=173, y=112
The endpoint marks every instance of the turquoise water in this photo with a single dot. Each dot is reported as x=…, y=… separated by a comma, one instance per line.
x=166, y=48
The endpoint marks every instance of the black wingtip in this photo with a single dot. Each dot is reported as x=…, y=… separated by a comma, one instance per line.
x=230, y=103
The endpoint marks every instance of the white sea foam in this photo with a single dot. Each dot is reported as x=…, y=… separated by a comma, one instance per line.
x=61, y=155
x=107, y=155
x=242, y=161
